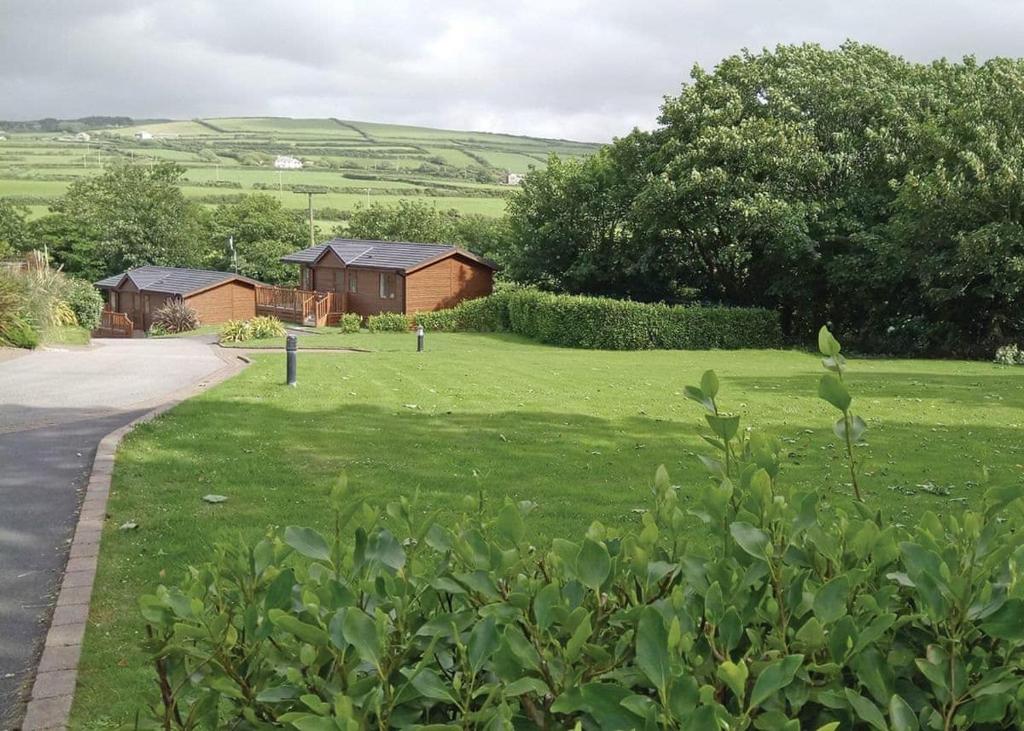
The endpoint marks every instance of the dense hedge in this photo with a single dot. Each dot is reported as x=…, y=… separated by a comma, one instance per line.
x=388, y=322
x=600, y=323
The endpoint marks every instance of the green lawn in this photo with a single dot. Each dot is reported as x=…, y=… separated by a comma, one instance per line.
x=70, y=335
x=579, y=432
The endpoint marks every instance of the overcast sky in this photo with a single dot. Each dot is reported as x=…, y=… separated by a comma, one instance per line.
x=582, y=69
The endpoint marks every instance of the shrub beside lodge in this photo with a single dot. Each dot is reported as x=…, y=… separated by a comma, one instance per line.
x=609, y=324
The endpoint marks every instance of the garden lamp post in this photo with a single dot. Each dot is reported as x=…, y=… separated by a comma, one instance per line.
x=291, y=346
x=419, y=339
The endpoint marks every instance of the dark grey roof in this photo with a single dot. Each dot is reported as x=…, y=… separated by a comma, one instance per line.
x=368, y=254
x=171, y=280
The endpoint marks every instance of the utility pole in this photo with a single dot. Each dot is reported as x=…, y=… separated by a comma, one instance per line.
x=311, y=191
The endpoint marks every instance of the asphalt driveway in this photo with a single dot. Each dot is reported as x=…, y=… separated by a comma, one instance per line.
x=55, y=406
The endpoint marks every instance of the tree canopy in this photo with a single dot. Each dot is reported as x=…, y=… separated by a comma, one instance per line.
x=841, y=185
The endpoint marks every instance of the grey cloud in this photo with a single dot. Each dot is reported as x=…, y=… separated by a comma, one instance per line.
x=585, y=69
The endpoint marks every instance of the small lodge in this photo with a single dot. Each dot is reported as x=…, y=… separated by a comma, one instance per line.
x=371, y=277
x=134, y=296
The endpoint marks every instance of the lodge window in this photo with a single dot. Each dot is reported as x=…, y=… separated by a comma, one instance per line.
x=113, y=301
x=339, y=280
x=307, y=278
x=353, y=282
x=387, y=286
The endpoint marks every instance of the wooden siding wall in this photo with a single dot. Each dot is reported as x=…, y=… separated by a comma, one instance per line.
x=139, y=307
x=446, y=283
x=365, y=301
x=228, y=301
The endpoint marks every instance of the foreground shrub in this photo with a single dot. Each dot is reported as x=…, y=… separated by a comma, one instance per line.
x=607, y=324
x=85, y=302
x=350, y=322
x=389, y=322
x=258, y=328
x=33, y=299
x=175, y=316
x=800, y=614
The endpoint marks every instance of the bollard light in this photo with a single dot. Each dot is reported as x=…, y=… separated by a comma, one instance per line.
x=419, y=339
x=291, y=346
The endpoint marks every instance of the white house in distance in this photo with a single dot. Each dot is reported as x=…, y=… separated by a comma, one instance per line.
x=143, y=135
x=513, y=178
x=82, y=137
x=285, y=162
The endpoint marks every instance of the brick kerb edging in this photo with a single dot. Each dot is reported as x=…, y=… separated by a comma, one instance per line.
x=57, y=673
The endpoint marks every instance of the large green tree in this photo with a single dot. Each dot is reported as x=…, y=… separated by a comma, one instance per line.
x=845, y=185
x=262, y=231
x=131, y=215
x=14, y=236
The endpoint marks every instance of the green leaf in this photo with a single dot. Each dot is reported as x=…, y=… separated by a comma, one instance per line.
x=1007, y=622
x=827, y=344
x=483, y=641
x=709, y=384
x=307, y=542
x=361, y=632
x=524, y=685
x=901, y=715
x=385, y=548
x=593, y=564
x=832, y=390
x=544, y=604
x=866, y=710
x=603, y=701
x=831, y=600
x=857, y=428
x=652, y=648
x=774, y=678
x=752, y=540
x=306, y=632
x=695, y=394
x=578, y=639
x=724, y=426
x=429, y=684
x=509, y=523
x=735, y=676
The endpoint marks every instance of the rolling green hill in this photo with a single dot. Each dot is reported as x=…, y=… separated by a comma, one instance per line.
x=352, y=162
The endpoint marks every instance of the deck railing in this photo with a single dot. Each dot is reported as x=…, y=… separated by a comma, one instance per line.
x=303, y=306
x=114, y=325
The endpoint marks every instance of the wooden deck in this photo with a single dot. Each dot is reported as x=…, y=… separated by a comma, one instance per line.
x=301, y=306
x=113, y=325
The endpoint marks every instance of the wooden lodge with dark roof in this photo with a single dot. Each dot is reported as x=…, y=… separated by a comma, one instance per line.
x=137, y=294
x=370, y=277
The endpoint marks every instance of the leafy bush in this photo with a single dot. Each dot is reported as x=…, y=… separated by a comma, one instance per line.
x=389, y=322
x=350, y=322
x=235, y=331
x=157, y=330
x=85, y=301
x=258, y=328
x=175, y=317
x=16, y=331
x=800, y=614
x=601, y=323
x=266, y=327
x=1010, y=355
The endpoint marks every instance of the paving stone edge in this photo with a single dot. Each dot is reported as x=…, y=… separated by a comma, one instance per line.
x=53, y=690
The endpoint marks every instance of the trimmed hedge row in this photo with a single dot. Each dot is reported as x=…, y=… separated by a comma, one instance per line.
x=608, y=324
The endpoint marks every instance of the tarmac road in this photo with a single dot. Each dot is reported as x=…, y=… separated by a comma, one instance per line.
x=55, y=407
